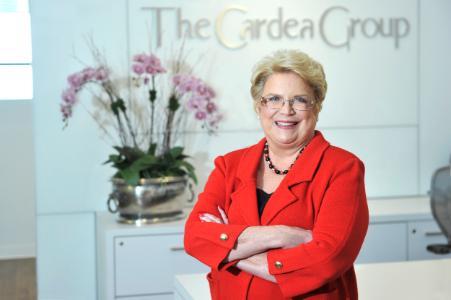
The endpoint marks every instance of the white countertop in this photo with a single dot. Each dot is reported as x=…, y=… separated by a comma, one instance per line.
x=381, y=210
x=402, y=208
x=413, y=280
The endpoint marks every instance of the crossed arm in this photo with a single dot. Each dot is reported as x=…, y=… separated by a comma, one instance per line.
x=253, y=243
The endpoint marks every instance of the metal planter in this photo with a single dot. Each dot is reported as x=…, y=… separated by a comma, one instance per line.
x=150, y=201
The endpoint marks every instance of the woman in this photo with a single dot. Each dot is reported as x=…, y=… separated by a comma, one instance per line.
x=285, y=218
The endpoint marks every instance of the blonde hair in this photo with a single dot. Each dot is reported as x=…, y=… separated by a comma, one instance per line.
x=294, y=61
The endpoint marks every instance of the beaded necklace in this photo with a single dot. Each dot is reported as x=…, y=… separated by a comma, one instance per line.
x=271, y=165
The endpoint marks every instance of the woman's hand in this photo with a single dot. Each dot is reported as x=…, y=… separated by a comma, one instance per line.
x=256, y=265
x=206, y=217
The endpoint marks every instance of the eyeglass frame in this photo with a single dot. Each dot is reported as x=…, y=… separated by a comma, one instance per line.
x=263, y=99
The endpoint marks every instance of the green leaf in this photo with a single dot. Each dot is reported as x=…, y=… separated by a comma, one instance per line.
x=131, y=154
x=175, y=152
x=145, y=161
x=190, y=170
x=130, y=175
x=118, y=149
x=113, y=158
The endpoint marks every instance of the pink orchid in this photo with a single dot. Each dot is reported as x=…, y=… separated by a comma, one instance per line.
x=101, y=74
x=196, y=103
x=211, y=107
x=138, y=69
x=140, y=58
x=66, y=110
x=69, y=96
x=151, y=70
x=149, y=64
x=214, y=119
x=200, y=115
x=193, y=93
x=88, y=74
x=75, y=80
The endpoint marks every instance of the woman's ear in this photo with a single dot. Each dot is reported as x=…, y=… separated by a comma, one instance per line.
x=258, y=111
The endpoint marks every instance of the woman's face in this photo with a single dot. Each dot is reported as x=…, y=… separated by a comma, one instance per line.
x=286, y=127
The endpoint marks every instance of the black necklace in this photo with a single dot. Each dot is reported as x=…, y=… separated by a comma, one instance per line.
x=271, y=165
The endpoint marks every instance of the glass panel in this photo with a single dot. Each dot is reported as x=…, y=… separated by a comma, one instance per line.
x=15, y=37
x=14, y=6
x=16, y=82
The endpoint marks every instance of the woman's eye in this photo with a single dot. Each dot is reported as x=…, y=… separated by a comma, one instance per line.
x=300, y=100
x=275, y=99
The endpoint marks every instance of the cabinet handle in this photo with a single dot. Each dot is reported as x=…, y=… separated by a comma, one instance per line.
x=177, y=248
x=435, y=233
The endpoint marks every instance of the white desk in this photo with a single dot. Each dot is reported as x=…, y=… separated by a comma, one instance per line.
x=413, y=280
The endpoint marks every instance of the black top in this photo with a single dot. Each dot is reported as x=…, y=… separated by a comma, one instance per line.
x=262, y=199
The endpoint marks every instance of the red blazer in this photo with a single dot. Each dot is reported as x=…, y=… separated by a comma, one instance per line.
x=323, y=192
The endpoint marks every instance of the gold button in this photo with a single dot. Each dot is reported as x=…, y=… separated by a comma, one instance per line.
x=223, y=237
x=278, y=265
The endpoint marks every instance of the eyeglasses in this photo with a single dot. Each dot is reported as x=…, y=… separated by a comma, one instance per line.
x=297, y=103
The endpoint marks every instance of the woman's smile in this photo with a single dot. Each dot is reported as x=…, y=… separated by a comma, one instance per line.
x=286, y=124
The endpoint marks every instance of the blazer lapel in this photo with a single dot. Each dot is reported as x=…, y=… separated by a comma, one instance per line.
x=280, y=199
x=245, y=199
x=302, y=171
x=245, y=196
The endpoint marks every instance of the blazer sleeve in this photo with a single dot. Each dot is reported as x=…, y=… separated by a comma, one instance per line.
x=338, y=235
x=211, y=242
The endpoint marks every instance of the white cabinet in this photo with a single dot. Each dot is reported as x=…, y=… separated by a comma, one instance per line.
x=400, y=230
x=401, y=241
x=422, y=234
x=139, y=262
x=384, y=243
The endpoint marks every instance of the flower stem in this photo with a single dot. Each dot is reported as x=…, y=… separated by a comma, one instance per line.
x=152, y=98
x=130, y=128
x=122, y=133
x=173, y=106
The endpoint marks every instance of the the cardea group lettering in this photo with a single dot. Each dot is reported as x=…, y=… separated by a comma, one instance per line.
x=280, y=26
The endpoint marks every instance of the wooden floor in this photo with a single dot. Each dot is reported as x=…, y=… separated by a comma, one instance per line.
x=18, y=279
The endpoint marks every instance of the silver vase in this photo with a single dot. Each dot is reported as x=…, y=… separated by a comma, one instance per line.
x=150, y=201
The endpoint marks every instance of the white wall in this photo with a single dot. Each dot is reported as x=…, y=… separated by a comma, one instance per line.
x=71, y=184
x=435, y=89
x=17, y=180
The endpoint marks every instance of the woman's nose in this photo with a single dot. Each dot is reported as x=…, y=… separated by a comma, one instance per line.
x=287, y=108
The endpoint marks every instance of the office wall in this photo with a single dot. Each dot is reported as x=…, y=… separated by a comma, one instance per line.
x=402, y=145
x=17, y=181
x=71, y=183
x=435, y=89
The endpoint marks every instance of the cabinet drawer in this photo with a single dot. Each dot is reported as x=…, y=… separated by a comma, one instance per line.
x=384, y=243
x=422, y=234
x=147, y=264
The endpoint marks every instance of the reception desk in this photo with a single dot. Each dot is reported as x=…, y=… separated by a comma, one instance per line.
x=413, y=280
x=400, y=230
